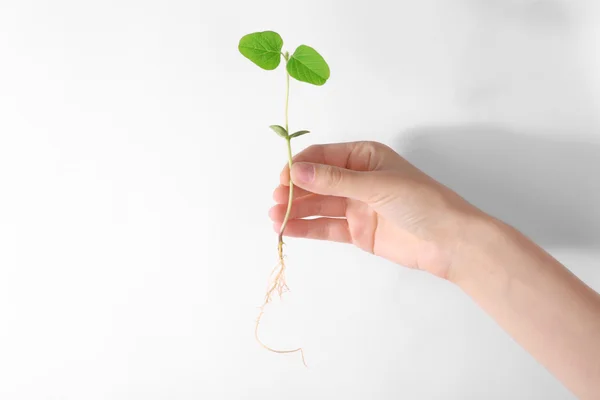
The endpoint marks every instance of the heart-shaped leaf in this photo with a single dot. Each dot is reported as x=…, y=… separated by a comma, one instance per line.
x=262, y=48
x=280, y=130
x=299, y=133
x=307, y=65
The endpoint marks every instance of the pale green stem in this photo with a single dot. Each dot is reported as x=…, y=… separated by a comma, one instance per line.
x=289, y=151
x=291, y=196
x=287, y=99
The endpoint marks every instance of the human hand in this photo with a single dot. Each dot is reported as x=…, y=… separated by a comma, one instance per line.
x=366, y=194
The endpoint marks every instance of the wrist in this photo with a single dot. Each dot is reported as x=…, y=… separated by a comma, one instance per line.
x=481, y=242
x=451, y=244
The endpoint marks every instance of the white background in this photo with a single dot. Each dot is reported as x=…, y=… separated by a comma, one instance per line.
x=136, y=172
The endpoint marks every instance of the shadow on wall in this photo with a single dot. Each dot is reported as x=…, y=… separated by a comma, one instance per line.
x=546, y=187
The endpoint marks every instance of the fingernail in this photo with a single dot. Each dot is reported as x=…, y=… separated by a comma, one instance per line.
x=303, y=172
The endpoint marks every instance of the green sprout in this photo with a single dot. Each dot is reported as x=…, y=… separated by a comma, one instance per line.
x=305, y=65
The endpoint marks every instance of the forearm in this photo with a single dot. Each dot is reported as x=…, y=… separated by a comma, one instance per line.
x=535, y=299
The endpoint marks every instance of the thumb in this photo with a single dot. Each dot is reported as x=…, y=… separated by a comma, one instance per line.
x=334, y=181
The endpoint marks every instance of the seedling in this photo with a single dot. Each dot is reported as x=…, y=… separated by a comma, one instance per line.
x=306, y=65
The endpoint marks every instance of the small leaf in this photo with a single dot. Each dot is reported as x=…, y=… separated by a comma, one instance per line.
x=306, y=65
x=262, y=48
x=280, y=130
x=299, y=133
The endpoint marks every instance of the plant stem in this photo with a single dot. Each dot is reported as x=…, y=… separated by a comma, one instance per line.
x=291, y=195
x=287, y=95
x=289, y=151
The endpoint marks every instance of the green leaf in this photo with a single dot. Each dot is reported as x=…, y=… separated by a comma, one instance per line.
x=306, y=65
x=280, y=130
x=299, y=133
x=262, y=48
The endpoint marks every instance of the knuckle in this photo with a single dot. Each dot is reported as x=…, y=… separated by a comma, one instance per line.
x=366, y=156
x=370, y=145
x=380, y=148
x=334, y=176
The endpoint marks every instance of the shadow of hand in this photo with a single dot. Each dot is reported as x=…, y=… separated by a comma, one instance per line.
x=545, y=187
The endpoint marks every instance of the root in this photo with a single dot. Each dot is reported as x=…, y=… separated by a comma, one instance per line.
x=277, y=285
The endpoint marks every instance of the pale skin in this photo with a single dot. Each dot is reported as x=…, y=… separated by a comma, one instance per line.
x=388, y=207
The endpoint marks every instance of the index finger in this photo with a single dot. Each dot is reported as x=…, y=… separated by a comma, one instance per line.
x=358, y=156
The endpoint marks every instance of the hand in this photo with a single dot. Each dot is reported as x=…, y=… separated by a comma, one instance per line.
x=368, y=195
x=371, y=197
